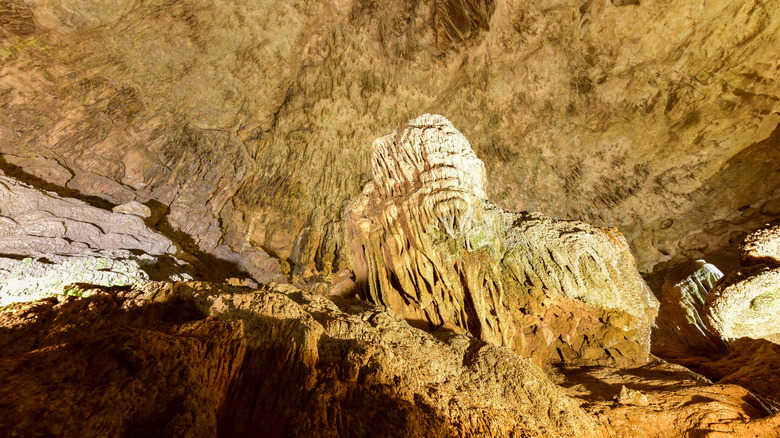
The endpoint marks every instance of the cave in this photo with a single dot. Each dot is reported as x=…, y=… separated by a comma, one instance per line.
x=413, y=218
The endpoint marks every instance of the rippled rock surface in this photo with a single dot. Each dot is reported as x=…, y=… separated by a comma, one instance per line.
x=429, y=246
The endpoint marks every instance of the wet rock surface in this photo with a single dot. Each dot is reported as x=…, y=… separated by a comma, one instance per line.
x=427, y=245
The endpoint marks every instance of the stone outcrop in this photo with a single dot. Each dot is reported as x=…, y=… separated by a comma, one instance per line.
x=48, y=242
x=35, y=223
x=750, y=363
x=201, y=359
x=762, y=246
x=746, y=302
x=667, y=400
x=680, y=330
x=429, y=246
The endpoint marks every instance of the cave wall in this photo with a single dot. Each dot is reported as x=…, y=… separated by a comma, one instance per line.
x=250, y=124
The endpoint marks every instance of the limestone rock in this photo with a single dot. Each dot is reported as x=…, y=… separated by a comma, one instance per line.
x=750, y=363
x=200, y=359
x=29, y=279
x=134, y=208
x=746, y=303
x=680, y=330
x=37, y=224
x=245, y=119
x=48, y=242
x=203, y=359
x=667, y=400
x=631, y=397
x=426, y=244
x=762, y=246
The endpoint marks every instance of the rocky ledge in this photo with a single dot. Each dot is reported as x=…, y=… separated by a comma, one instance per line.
x=204, y=359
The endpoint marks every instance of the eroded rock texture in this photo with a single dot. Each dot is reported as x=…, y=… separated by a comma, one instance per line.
x=48, y=242
x=253, y=120
x=762, y=246
x=668, y=400
x=427, y=245
x=746, y=302
x=204, y=359
x=37, y=224
x=198, y=359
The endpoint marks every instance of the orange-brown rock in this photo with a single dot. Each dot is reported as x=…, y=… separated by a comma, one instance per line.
x=200, y=359
x=666, y=400
x=751, y=363
x=428, y=245
x=203, y=359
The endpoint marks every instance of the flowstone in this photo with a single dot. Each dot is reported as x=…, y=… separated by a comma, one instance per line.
x=428, y=245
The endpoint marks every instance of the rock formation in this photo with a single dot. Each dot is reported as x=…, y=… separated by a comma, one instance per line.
x=746, y=302
x=680, y=330
x=429, y=246
x=204, y=359
x=667, y=400
x=249, y=123
x=762, y=247
x=199, y=359
x=234, y=136
x=48, y=242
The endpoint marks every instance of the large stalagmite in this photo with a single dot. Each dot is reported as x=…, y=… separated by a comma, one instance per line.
x=427, y=244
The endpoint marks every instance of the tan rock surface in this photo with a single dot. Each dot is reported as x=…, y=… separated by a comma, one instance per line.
x=667, y=400
x=660, y=117
x=746, y=303
x=762, y=247
x=199, y=359
x=426, y=244
x=203, y=359
x=750, y=363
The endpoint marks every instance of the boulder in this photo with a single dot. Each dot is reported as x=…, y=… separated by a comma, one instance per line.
x=134, y=208
x=427, y=244
x=762, y=246
x=746, y=303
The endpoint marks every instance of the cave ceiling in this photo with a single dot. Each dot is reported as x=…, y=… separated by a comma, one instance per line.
x=248, y=125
